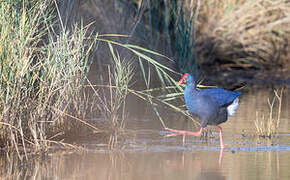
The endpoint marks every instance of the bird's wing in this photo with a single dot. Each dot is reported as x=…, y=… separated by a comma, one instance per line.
x=222, y=96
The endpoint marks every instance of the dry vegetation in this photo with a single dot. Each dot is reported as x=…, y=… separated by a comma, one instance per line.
x=267, y=125
x=244, y=33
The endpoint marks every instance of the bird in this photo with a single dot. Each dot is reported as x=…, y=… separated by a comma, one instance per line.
x=211, y=106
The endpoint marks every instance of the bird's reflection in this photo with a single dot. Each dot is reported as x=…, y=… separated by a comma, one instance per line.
x=210, y=175
x=200, y=165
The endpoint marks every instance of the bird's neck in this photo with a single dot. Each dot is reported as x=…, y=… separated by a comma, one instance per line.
x=191, y=85
x=190, y=89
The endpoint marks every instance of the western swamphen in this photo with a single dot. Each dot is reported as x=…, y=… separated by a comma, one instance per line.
x=211, y=106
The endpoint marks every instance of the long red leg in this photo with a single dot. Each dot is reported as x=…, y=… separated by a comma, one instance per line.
x=221, y=137
x=221, y=157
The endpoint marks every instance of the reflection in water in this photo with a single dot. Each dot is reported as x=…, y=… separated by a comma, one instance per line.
x=199, y=164
x=169, y=165
x=149, y=155
x=210, y=175
x=180, y=164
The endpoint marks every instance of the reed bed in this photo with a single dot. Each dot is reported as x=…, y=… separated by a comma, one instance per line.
x=42, y=74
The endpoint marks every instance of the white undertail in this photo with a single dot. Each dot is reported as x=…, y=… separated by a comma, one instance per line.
x=233, y=107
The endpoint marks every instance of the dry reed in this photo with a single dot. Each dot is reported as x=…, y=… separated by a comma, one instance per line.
x=268, y=125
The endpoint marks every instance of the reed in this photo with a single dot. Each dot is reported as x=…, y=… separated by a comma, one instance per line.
x=268, y=125
x=111, y=98
x=42, y=74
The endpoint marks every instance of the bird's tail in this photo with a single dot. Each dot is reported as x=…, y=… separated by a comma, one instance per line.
x=233, y=107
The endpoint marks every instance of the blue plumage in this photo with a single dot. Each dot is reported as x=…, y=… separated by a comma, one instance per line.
x=211, y=106
x=222, y=96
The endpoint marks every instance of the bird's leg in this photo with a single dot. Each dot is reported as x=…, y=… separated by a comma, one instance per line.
x=221, y=157
x=181, y=132
x=221, y=137
x=183, y=139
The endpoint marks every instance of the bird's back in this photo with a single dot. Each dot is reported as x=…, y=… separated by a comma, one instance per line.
x=222, y=96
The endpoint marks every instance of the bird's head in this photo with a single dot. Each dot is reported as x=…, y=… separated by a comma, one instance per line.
x=186, y=78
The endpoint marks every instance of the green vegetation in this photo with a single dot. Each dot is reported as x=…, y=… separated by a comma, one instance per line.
x=114, y=103
x=42, y=74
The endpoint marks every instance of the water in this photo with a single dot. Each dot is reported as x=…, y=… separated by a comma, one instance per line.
x=147, y=154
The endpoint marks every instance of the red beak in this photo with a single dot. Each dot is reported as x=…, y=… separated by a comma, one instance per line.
x=182, y=80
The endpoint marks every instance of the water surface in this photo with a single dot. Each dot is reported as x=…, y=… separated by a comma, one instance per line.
x=147, y=154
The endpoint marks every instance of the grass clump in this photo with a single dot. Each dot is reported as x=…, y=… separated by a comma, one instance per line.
x=42, y=74
x=268, y=125
x=111, y=98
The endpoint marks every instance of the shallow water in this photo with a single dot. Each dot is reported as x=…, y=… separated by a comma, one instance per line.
x=147, y=154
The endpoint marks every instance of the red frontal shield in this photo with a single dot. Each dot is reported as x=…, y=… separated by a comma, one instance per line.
x=182, y=80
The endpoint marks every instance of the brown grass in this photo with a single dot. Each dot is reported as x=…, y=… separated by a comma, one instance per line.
x=244, y=33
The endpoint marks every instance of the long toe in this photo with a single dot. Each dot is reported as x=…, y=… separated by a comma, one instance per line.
x=181, y=132
x=172, y=134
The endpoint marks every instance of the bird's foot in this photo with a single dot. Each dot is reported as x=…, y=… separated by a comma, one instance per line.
x=181, y=132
